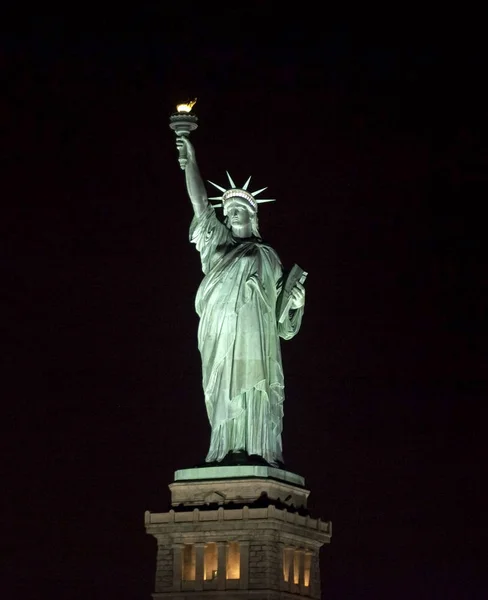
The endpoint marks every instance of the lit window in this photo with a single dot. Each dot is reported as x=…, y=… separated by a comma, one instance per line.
x=306, y=569
x=233, y=561
x=188, y=563
x=291, y=562
x=210, y=562
x=296, y=567
x=287, y=561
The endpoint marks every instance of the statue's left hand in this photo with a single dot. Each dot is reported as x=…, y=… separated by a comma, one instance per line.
x=298, y=296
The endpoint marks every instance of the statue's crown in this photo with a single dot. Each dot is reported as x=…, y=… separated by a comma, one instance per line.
x=242, y=193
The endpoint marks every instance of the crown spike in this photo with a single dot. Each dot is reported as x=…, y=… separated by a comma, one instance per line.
x=259, y=191
x=217, y=186
x=232, y=184
x=261, y=200
x=244, y=187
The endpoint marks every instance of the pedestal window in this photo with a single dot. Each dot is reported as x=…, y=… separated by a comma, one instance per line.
x=233, y=563
x=188, y=571
x=210, y=565
x=297, y=565
x=210, y=562
x=307, y=565
x=287, y=563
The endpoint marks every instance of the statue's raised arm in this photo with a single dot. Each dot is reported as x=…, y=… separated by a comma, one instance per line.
x=194, y=182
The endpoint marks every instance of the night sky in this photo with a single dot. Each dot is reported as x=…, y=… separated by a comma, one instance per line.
x=371, y=141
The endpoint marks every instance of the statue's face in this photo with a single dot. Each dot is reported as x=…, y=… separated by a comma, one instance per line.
x=238, y=216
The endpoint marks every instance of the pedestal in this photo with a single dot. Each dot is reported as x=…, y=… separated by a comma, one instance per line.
x=240, y=531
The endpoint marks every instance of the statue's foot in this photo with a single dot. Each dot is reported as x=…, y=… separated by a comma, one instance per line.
x=236, y=457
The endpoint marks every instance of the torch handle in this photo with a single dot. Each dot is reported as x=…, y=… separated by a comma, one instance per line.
x=182, y=158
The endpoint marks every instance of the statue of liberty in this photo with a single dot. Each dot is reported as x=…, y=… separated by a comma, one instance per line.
x=239, y=329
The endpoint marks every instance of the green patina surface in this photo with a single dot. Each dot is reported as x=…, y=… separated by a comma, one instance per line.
x=238, y=472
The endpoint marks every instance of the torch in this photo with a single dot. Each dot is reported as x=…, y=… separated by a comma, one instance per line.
x=182, y=123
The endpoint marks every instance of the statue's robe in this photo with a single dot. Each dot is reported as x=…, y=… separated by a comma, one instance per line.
x=238, y=338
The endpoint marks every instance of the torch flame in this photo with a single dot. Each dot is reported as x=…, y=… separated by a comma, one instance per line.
x=186, y=108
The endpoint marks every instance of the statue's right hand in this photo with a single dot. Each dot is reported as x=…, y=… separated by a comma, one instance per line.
x=183, y=143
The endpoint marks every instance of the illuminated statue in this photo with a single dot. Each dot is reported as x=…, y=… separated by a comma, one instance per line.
x=240, y=324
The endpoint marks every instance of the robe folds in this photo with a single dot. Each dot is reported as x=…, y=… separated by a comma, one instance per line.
x=238, y=339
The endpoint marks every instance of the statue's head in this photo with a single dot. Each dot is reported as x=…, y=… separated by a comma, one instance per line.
x=242, y=202
x=239, y=214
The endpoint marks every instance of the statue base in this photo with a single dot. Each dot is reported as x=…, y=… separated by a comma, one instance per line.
x=250, y=485
x=241, y=457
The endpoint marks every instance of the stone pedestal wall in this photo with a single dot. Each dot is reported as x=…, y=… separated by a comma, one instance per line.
x=278, y=549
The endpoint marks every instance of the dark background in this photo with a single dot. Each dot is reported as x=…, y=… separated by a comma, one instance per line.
x=370, y=137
